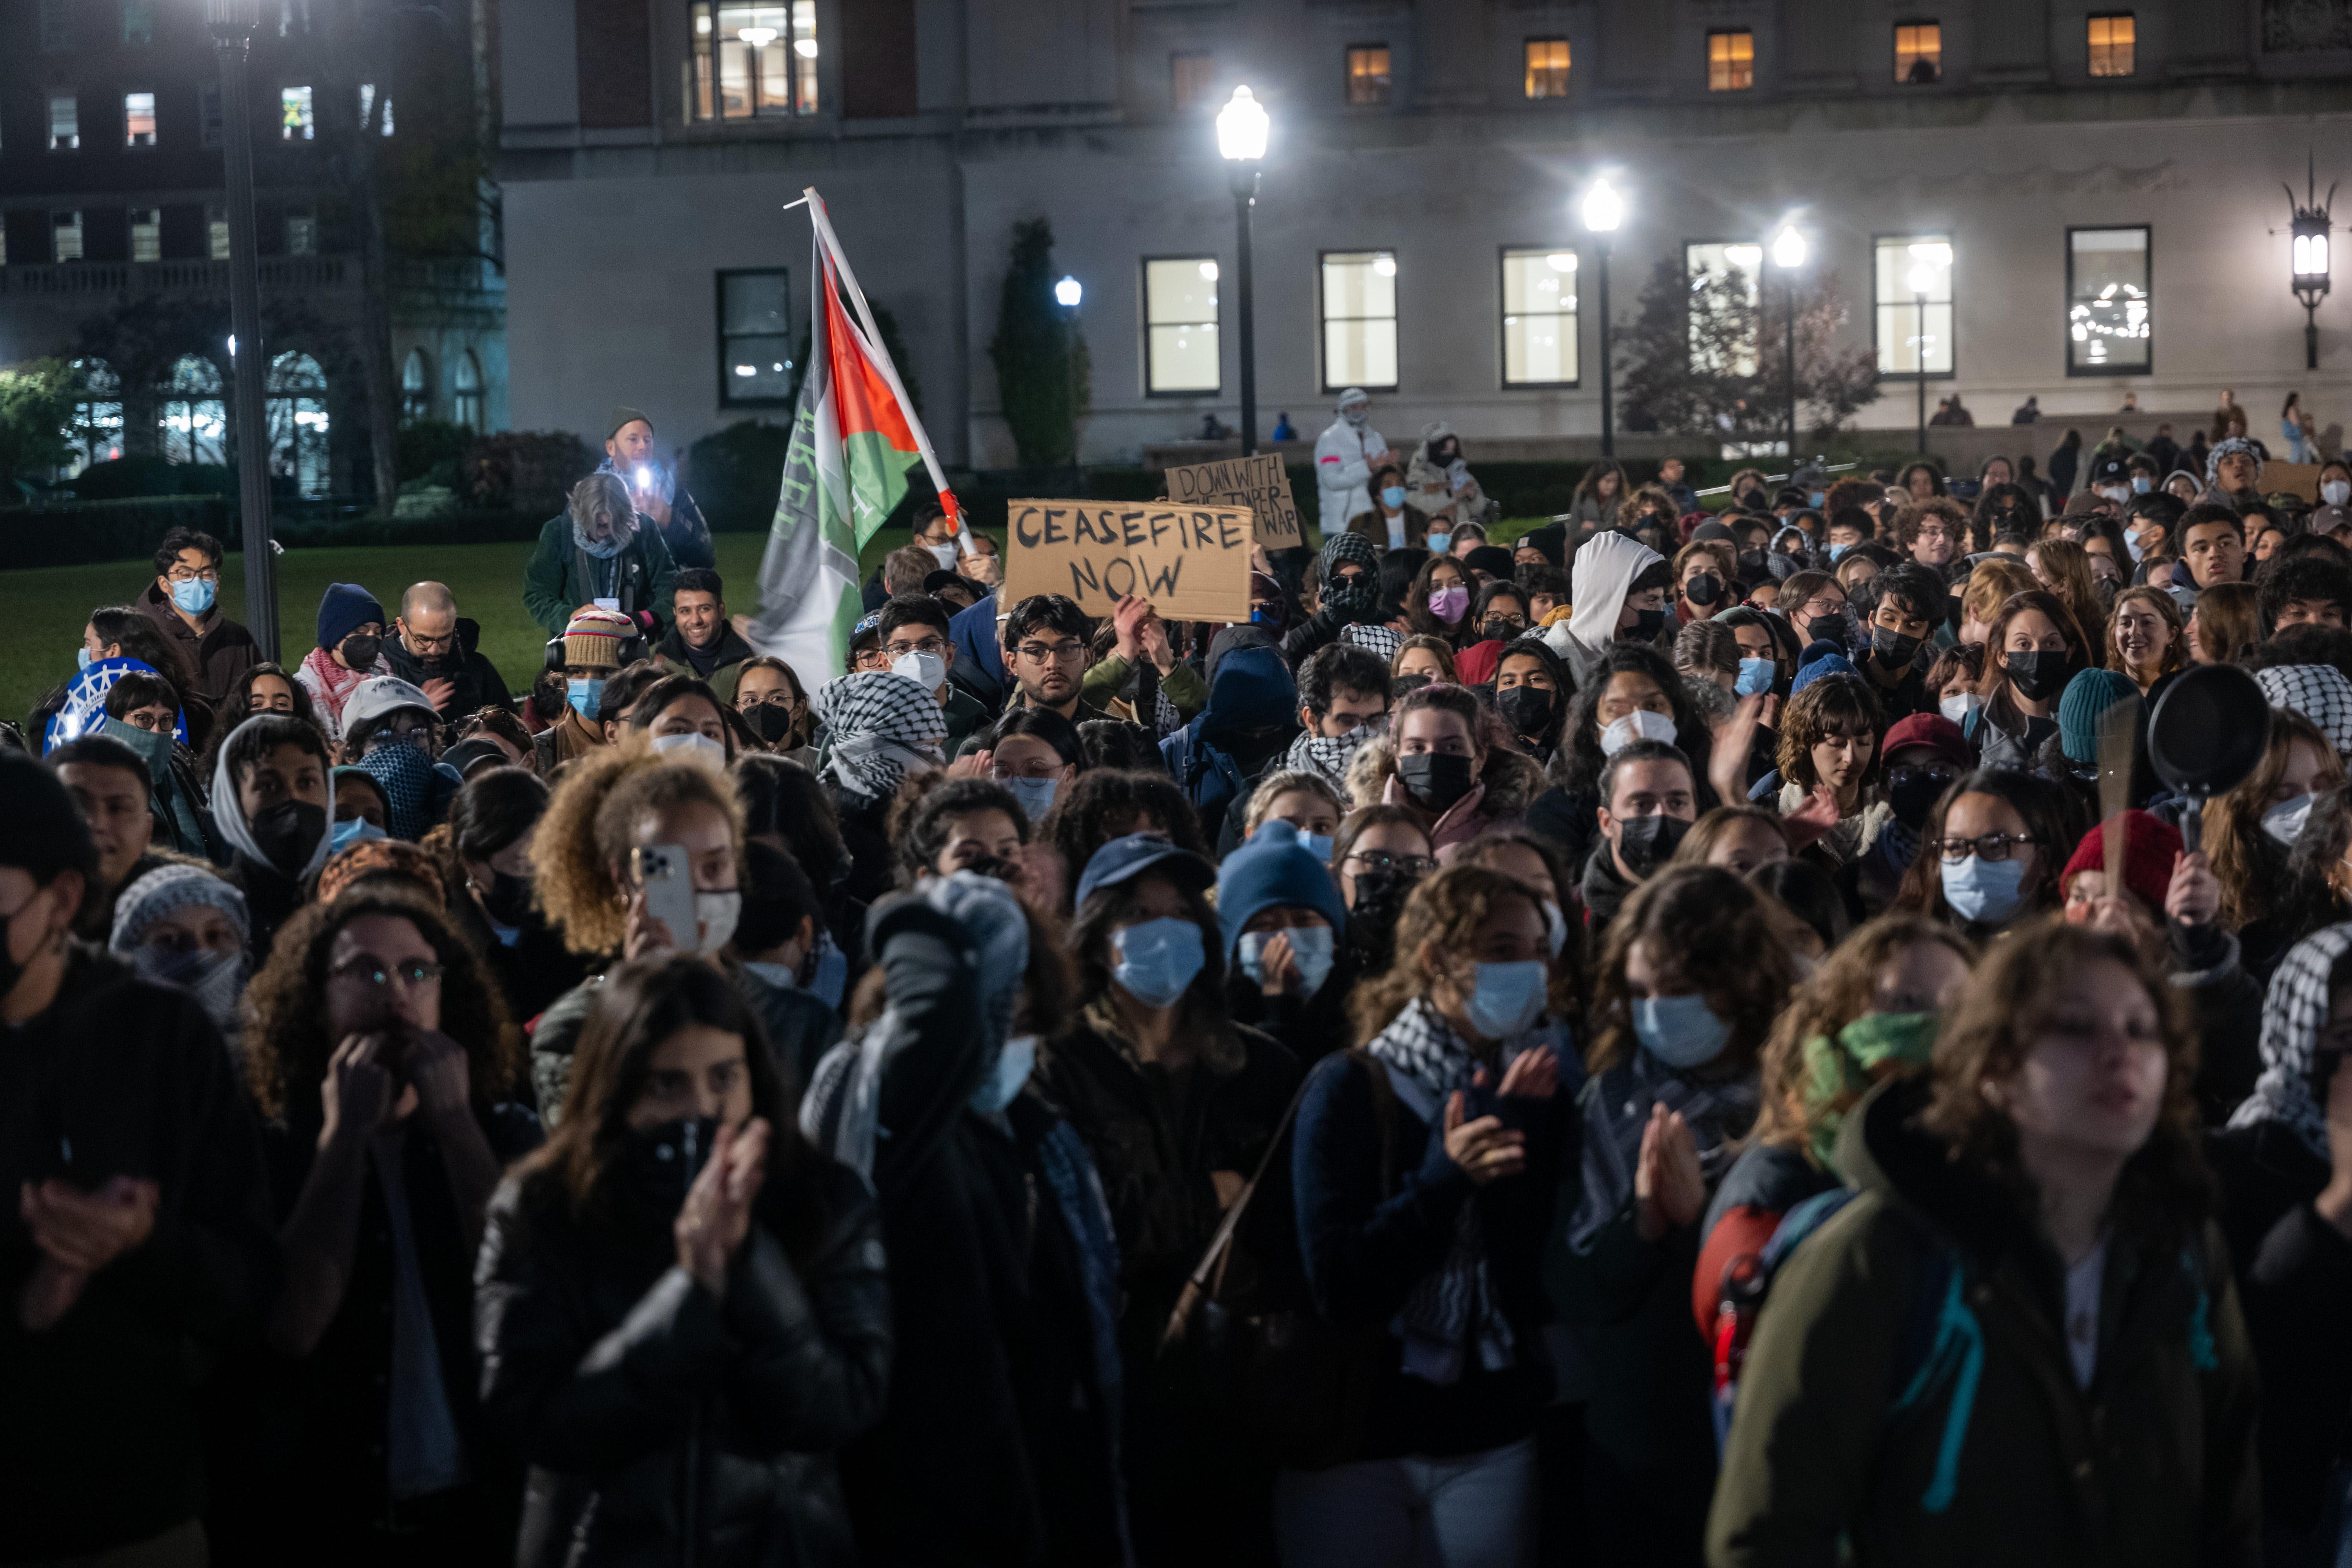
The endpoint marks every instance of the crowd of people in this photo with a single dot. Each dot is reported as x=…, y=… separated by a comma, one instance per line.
x=1640, y=1042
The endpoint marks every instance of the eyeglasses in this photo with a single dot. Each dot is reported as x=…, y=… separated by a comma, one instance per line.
x=746, y=700
x=202, y=575
x=431, y=644
x=935, y=647
x=1903, y=774
x=1382, y=860
x=1992, y=847
x=869, y=658
x=1824, y=606
x=1068, y=652
x=413, y=974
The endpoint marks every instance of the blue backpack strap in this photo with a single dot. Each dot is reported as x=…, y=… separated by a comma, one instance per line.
x=1800, y=1221
x=2202, y=1353
x=1945, y=1343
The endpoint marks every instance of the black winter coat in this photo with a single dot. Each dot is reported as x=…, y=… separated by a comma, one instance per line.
x=667, y=1425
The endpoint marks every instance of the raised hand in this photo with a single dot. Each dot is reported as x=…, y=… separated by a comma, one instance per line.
x=357, y=1091
x=2194, y=896
x=1280, y=966
x=1532, y=1074
x=716, y=1213
x=437, y=1065
x=1484, y=1148
x=1669, y=1187
x=84, y=1232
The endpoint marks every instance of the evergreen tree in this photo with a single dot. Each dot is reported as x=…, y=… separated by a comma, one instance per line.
x=1044, y=376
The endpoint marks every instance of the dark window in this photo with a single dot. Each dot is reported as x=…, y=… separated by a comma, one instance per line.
x=755, y=344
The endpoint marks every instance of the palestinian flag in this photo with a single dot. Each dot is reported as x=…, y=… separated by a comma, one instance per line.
x=855, y=440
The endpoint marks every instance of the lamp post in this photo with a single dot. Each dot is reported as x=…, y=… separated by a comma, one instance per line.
x=1788, y=254
x=1242, y=128
x=231, y=23
x=1068, y=292
x=1604, y=212
x=1922, y=279
x=2310, y=260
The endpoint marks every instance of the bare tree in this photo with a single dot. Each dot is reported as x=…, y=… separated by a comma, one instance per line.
x=1702, y=356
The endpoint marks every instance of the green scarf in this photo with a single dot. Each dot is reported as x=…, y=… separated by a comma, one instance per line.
x=1874, y=1047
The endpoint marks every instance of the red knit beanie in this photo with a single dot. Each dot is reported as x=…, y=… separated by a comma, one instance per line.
x=2150, y=845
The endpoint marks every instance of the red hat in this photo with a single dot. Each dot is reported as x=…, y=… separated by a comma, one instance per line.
x=1936, y=732
x=2150, y=845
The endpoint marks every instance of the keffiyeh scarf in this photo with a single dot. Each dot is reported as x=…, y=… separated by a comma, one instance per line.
x=1382, y=640
x=1327, y=757
x=883, y=726
x=2317, y=691
x=2293, y=1012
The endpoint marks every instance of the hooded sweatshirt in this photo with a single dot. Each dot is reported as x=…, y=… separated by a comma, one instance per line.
x=1251, y=716
x=1604, y=569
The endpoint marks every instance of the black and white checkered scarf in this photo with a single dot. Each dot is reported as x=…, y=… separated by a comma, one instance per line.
x=2293, y=1012
x=883, y=726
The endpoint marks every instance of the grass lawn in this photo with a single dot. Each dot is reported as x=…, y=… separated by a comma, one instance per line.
x=45, y=608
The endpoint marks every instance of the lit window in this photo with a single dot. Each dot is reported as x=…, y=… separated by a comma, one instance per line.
x=216, y=231
x=295, y=124
x=2108, y=311
x=1360, y=329
x=66, y=228
x=138, y=21
x=1730, y=61
x=1919, y=53
x=2111, y=40
x=466, y=406
x=367, y=105
x=415, y=387
x=146, y=234
x=755, y=345
x=56, y=26
x=301, y=231
x=1714, y=263
x=754, y=62
x=193, y=415
x=1191, y=80
x=139, y=119
x=1547, y=68
x=1179, y=325
x=1538, y=317
x=96, y=429
x=1913, y=323
x=65, y=123
x=1368, y=73
x=209, y=114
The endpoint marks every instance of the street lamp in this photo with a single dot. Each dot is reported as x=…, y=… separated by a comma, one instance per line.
x=1923, y=279
x=1788, y=254
x=1242, y=128
x=1604, y=212
x=1066, y=294
x=2310, y=260
x=231, y=23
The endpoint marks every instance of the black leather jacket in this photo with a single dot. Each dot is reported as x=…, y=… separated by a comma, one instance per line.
x=666, y=1425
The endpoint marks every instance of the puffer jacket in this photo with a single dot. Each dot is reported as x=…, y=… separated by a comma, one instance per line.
x=2004, y=1457
x=1497, y=803
x=667, y=1425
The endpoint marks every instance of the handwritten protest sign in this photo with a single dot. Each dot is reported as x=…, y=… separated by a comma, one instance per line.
x=2278, y=479
x=1191, y=562
x=1259, y=483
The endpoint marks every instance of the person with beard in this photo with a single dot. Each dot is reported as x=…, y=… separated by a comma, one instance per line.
x=599, y=553
x=1215, y=760
x=350, y=648
x=1343, y=701
x=492, y=823
x=437, y=651
x=108, y=785
x=1044, y=645
x=1911, y=603
x=1452, y=762
x=2033, y=648
x=1648, y=801
x=270, y=803
x=185, y=925
x=684, y=1310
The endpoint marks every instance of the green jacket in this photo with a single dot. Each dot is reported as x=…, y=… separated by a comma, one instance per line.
x=733, y=654
x=2152, y=1466
x=1102, y=684
x=554, y=584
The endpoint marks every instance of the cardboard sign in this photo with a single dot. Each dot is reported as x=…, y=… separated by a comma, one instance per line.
x=2278, y=479
x=1259, y=483
x=1191, y=562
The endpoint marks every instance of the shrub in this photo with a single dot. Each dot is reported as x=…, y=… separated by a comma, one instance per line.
x=735, y=475
x=119, y=478
x=529, y=470
x=434, y=449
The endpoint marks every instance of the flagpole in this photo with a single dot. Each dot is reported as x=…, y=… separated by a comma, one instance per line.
x=881, y=357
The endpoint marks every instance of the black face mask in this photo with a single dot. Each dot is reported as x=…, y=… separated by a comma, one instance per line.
x=1436, y=780
x=1646, y=842
x=360, y=651
x=1647, y=625
x=1352, y=601
x=1527, y=708
x=1379, y=900
x=1704, y=589
x=1914, y=798
x=1754, y=565
x=508, y=898
x=659, y=1164
x=287, y=832
x=771, y=721
x=1826, y=629
x=2039, y=676
x=1892, y=647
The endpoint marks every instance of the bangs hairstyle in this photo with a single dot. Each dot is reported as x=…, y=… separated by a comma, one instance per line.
x=2165, y=1190
x=264, y=734
x=2055, y=818
x=1275, y=786
x=1713, y=928
x=1580, y=759
x=1363, y=819
x=1436, y=645
x=2234, y=822
x=1442, y=915
x=589, y=828
x=1842, y=989
x=1994, y=682
x=1832, y=706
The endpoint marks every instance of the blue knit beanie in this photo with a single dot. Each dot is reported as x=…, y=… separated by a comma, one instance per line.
x=1275, y=870
x=2083, y=704
x=1822, y=664
x=346, y=607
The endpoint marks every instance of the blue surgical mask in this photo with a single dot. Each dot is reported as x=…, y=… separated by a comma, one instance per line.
x=2132, y=543
x=1439, y=542
x=1817, y=498
x=1319, y=844
x=1987, y=891
x=1035, y=795
x=1012, y=1069
x=1683, y=1032
x=195, y=596
x=2142, y=484
x=1507, y=998
x=1157, y=958
x=692, y=743
x=1755, y=677
x=353, y=830
x=1392, y=496
x=81, y=658
x=2284, y=821
x=583, y=695
x=1311, y=946
x=1838, y=552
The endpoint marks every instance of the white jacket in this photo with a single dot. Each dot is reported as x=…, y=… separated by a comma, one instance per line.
x=1343, y=461
x=1598, y=579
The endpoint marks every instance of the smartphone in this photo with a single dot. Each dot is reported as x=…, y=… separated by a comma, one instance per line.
x=662, y=872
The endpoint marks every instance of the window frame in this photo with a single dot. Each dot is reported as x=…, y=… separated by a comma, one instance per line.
x=50, y=100
x=702, y=51
x=2088, y=46
x=212, y=133
x=307, y=126
x=1900, y=28
x=154, y=121
x=2066, y=304
x=80, y=227
x=1503, y=255
x=722, y=337
x=1951, y=306
x=1347, y=75
x=1715, y=33
x=1527, y=70
x=131, y=226
x=1143, y=284
x=1323, y=319
x=1177, y=60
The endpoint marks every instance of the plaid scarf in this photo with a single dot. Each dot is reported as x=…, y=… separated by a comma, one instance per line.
x=335, y=682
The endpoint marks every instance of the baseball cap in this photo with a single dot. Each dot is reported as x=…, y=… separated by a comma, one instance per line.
x=381, y=694
x=1124, y=859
